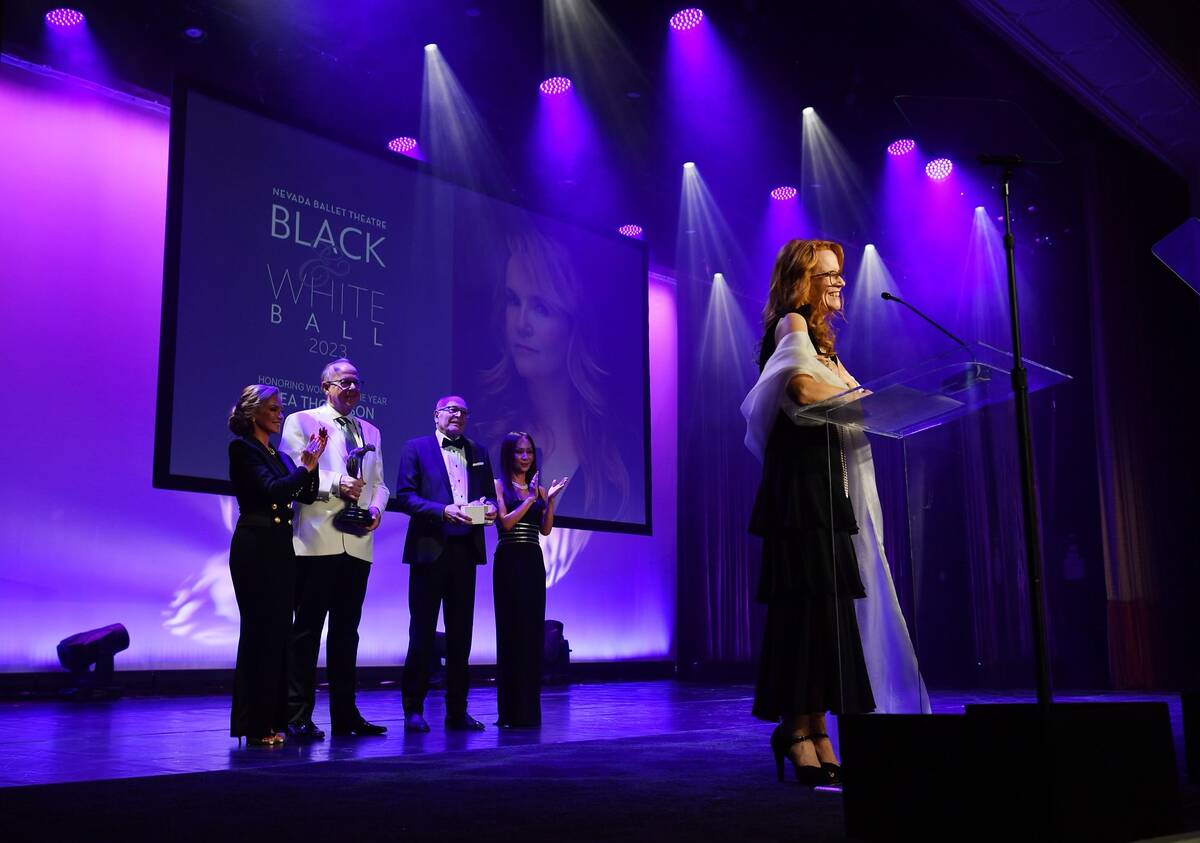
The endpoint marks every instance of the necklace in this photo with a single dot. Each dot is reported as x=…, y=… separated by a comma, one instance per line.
x=521, y=486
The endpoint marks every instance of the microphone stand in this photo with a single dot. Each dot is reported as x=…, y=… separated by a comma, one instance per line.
x=886, y=296
x=1020, y=383
x=975, y=374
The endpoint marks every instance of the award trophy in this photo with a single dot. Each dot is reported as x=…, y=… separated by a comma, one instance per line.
x=354, y=519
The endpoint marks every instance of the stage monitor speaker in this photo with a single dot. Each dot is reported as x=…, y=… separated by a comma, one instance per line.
x=904, y=775
x=1095, y=771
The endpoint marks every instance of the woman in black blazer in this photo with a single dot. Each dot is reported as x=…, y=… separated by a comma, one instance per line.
x=261, y=560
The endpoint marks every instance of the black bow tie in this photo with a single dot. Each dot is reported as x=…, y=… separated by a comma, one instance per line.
x=460, y=443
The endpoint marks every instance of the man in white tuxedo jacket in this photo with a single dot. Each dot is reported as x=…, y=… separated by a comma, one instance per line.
x=332, y=566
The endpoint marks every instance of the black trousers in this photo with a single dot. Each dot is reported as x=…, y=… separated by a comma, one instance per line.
x=449, y=582
x=334, y=586
x=263, y=569
x=519, y=591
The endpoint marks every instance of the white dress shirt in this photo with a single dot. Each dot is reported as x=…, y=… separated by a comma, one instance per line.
x=456, y=466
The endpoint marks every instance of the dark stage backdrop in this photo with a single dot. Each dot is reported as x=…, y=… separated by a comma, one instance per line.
x=287, y=250
x=82, y=222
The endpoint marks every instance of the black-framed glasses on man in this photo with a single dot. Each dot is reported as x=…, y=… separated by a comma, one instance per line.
x=346, y=383
x=454, y=410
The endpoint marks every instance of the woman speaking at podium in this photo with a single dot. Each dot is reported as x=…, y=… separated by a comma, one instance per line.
x=815, y=476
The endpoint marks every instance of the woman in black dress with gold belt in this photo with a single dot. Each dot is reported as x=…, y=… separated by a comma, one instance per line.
x=261, y=560
x=812, y=656
x=526, y=510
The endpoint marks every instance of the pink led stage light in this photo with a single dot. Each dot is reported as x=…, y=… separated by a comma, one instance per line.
x=403, y=144
x=555, y=85
x=939, y=168
x=64, y=18
x=686, y=19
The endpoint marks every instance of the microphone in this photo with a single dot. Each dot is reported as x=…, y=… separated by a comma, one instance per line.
x=886, y=296
x=955, y=383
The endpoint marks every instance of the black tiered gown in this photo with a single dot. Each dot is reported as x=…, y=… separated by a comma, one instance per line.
x=519, y=591
x=812, y=656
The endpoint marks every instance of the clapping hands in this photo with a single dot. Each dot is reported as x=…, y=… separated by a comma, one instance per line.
x=557, y=487
x=311, y=455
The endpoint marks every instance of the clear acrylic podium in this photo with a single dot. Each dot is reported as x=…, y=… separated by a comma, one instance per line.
x=936, y=496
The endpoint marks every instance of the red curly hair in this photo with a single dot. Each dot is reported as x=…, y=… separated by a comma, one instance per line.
x=791, y=286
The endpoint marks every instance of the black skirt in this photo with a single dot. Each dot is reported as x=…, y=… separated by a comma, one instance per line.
x=812, y=658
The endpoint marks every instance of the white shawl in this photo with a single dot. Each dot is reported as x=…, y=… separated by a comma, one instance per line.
x=891, y=661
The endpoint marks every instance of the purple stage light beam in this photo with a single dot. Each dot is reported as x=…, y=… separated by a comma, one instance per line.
x=903, y=146
x=784, y=193
x=630, y=230
x=555, y=85
x=64, y=18
x=686, y=19
x=939, y=169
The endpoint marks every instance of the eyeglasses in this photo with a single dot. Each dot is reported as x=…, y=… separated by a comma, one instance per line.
x=830, y=276
x=453, y=410
x=346, y=383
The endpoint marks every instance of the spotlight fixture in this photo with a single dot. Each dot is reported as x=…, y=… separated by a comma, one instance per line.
x=939, y=168
x=194, y=33
x=64, y=18
x=630, y=230
x=979, y=209
x=555, y=85
x=901, y=147
x=870, y=247
x=403, y=144
x=808, y=110
x=686, y=19
x=689, y=165
x=431, y=48
x=783, y=193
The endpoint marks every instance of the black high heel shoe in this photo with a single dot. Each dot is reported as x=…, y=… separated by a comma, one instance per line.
x=806, y=774
x=832, y=770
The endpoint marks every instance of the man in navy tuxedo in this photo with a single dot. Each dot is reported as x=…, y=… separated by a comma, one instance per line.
x=440, y=474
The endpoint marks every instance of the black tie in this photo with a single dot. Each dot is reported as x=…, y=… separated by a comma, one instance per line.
x=454, y=443
x=349, y=430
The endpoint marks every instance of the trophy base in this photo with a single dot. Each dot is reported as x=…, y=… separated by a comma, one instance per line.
x=354, y=520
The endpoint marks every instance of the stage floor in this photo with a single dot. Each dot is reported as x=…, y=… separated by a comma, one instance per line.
x=54, y=742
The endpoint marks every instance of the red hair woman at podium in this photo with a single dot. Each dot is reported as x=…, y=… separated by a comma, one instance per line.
x=815, y=582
